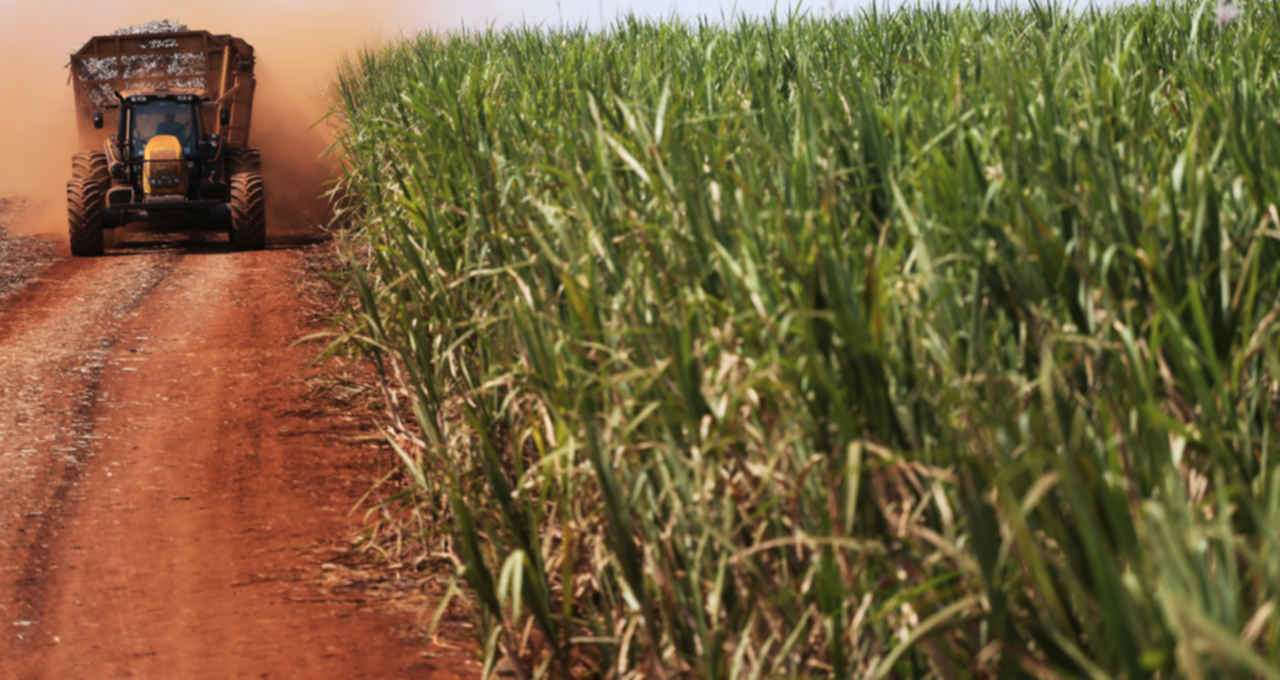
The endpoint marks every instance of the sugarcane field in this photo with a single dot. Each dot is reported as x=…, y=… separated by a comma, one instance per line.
x=628, y=340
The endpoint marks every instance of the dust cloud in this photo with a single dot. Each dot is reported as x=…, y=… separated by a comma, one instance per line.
x=298, y=46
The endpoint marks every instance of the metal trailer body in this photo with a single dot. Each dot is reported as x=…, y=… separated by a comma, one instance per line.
x=218, y=69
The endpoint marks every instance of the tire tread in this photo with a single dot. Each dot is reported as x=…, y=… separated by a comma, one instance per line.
x=86, y=207
x=248, y=210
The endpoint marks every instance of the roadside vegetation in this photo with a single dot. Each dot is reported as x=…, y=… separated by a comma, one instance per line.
x=936, y=341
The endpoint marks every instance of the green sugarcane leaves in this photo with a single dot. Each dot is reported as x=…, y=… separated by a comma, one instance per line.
x=923, y=342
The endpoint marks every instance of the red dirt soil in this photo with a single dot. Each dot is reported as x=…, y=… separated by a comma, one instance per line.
x=170, y=489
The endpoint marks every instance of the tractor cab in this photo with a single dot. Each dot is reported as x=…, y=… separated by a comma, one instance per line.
x=146, y=116
x=161, y=149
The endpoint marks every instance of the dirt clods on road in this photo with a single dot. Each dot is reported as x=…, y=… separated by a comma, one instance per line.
x=21, y=257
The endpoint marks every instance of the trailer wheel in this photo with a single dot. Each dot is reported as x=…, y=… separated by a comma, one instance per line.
x=248, y=211
x=86, y=193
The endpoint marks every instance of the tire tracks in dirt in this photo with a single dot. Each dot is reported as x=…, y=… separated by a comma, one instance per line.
x=173, y=487
x=61, y=332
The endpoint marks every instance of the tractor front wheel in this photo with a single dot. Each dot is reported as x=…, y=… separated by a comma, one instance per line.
x=248, y=211
x=86, y=196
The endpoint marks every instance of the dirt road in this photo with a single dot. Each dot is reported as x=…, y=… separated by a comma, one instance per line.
x=169, y=488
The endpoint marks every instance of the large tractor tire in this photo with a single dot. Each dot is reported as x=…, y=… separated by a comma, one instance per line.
x=246, y=160
x=248, y=210
x=86, y=196
x=90, y=165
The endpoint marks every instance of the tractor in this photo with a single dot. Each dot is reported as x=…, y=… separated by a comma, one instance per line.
x=163, y=123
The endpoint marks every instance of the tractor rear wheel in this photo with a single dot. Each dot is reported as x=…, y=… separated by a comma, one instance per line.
x=86, y=196
x=248, y=211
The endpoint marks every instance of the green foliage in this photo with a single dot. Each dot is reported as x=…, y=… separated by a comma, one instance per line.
x=940, y=341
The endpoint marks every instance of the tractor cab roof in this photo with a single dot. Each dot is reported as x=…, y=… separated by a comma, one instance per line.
x=137, y=96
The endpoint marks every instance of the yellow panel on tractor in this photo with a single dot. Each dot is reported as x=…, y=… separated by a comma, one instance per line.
x=164, y=173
